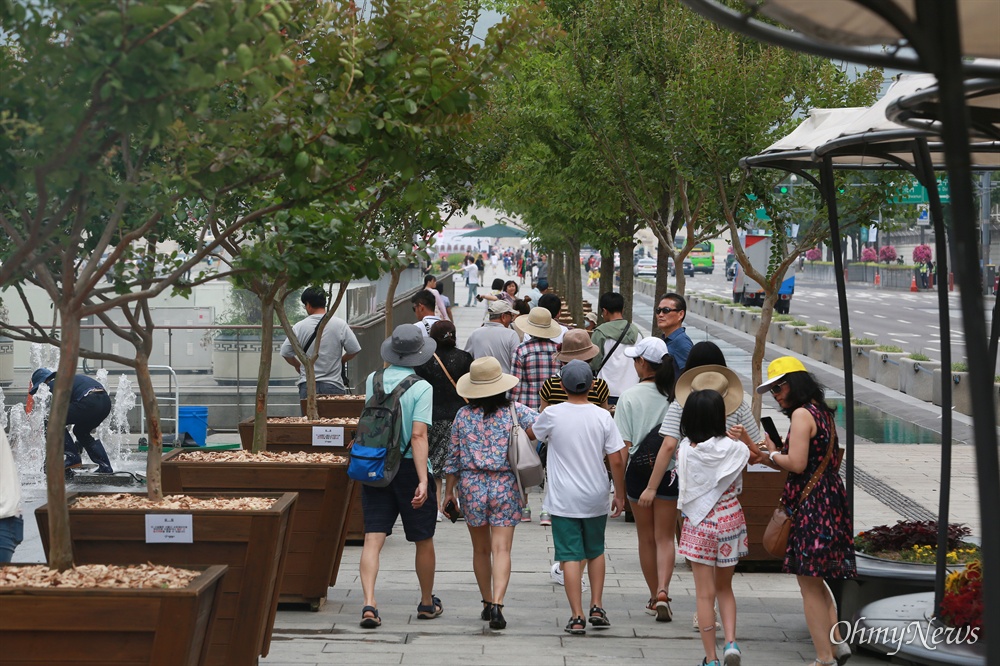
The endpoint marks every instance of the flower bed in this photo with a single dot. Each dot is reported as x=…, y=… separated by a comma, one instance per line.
x=915, y=541
x=962, y=604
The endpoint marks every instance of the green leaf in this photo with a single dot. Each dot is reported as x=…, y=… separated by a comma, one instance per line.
x=411, y=106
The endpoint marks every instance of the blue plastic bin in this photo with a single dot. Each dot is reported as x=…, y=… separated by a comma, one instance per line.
x=194, y=421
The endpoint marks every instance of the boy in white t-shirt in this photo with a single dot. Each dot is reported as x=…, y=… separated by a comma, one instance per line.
x=580, y=436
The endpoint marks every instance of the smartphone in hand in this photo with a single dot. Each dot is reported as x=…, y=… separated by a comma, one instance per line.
x=451, y=511
x=768, y=424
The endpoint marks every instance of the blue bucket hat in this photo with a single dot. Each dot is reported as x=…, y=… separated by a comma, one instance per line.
x=39, y=377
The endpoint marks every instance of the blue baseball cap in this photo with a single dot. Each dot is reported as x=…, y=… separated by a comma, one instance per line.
x=39, y=377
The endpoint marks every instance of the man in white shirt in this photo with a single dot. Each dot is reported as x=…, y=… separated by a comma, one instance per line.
x=495, y=338
x=611, y=364
x=423, y=306
x=472, y=280
x=337, y=345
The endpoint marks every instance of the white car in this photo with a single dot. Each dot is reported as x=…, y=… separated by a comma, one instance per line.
x=645, y=266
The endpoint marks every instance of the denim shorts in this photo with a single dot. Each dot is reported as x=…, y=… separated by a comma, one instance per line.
x=11, y=534
x=382, y=506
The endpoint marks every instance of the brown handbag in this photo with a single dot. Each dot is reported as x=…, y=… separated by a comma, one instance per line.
x=778, y=528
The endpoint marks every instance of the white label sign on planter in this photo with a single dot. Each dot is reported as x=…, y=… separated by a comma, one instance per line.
x=761, y=468
x=328, y=435
x=169, y=528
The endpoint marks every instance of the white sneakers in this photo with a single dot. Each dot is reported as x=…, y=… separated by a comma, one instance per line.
x=556, y=574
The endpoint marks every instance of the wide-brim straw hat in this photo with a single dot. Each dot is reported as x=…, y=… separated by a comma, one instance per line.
x=577, y=346
x=485, y=378
x=408, y=347
x=714, y=377
x=539, y=324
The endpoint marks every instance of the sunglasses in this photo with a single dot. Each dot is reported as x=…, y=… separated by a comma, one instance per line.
x=666, y=310
x=776, y=389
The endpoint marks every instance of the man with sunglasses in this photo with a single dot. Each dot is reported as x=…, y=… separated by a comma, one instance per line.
x=424, y=308
x=670, y=314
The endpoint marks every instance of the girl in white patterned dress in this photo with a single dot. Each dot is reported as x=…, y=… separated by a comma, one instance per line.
x=714, y=534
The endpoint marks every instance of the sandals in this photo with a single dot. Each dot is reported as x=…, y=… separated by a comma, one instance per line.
x=577, y=626
x=599, y=618
x=431, y=610
x=485, y=615
x=497, y=620
x=663, y=612
x=373, y=622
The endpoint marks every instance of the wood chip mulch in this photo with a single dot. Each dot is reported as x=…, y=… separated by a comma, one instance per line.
x=264, y=456
x=98, y=575
x=306, y=421
x=131, y=501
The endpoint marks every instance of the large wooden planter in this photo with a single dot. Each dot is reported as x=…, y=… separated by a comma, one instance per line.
x=299, y=437
x=761, y=492
x=251, y=543
x=339, y=406
x=319, y=523
x=99, y=625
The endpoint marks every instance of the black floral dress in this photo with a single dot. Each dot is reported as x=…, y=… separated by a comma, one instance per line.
x=820, y=543
x=447, y=402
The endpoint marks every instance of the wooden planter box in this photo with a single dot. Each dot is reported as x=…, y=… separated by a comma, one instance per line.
x=99, y=625
x=341, y=406
x=298, y=437
x=251, y=543
x=319, y=523
x=761, y=492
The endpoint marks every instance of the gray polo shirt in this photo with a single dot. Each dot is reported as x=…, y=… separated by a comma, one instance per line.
x=337, y=339
x=496, y=340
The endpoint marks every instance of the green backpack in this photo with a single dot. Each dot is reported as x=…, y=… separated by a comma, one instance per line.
x=375, y=453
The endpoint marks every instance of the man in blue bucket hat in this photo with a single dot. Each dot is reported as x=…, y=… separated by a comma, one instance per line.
x=89, y=405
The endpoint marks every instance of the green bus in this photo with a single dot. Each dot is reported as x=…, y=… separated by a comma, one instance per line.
x=702, y=256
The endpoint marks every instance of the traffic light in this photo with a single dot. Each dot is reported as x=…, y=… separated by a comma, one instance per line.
x=782, y=189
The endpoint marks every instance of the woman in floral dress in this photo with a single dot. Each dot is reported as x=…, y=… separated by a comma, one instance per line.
x=477, y=469
x=820, y=543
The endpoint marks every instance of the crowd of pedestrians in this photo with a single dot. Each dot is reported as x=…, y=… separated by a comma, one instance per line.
x=616, y=415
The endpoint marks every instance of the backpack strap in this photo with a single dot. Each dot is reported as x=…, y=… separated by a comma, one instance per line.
x=607, y=356
x=402, y=387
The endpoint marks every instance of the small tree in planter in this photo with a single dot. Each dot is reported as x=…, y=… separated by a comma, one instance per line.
x=869, y=255
x=814, y=254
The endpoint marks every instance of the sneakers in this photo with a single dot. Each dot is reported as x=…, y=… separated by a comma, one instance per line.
x=731, y=655
x=706, y=662
x=544, y=518
x=440, y=516
x=526, y=514
x=556, y=574
x=718, y=625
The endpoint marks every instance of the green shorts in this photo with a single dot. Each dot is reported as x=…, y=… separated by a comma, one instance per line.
x=578, y=539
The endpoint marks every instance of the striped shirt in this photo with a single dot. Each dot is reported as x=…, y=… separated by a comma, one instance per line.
x=553, y=393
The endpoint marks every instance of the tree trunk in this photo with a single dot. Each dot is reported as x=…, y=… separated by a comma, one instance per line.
x=557, y=278
x=390, y=297
x=607, y=281
x=154, y=452
x=662, y=274
x=61, y=548
x=574, y=282
x=625, y=248
x=264, y=373
x=757, y=359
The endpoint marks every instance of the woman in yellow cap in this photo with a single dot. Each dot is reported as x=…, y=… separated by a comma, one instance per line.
x=820, y=544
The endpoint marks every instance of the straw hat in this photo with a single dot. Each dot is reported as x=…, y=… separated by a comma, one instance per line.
x=714, y=377
x=539, y=324
x=577, y=346
x=485, y=378
x=408, y=347
x=777, y=369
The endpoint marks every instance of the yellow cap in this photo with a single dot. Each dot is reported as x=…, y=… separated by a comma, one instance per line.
x=778, y=368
